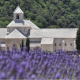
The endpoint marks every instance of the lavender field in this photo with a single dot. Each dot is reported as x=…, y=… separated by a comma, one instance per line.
x=39, y=65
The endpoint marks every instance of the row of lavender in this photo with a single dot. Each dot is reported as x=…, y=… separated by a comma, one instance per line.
x=37, y=64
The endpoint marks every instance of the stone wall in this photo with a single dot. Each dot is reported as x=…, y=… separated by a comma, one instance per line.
x=16, y=42
x=48, y=47
x=57, y=44
x=67, y=45
x=2, y=41
x=35, y=39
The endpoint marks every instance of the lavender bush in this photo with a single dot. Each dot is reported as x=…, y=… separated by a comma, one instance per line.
x=37, y=64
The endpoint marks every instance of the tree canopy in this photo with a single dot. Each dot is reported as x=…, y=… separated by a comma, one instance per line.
x=44, y=13
x=78, y=39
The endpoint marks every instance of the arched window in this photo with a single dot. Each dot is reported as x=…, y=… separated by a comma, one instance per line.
x=55, y=44
x=59, y=44
x=71, y=44
x=65, y=44
x=17, y=16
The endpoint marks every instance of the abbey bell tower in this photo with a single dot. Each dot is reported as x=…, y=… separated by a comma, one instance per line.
x=20, y=23
x=18, y=14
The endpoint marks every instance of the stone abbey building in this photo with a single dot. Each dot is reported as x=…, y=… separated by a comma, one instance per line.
x=46, y=39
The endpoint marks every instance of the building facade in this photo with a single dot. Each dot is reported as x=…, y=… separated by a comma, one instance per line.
x=46, y=39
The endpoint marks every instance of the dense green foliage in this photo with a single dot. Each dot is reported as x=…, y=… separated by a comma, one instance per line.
x=28, y=44
x=78, y=39
x=44, y=13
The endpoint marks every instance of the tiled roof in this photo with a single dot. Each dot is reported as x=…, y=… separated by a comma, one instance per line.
x=54, y=33
x=24, y=23
x=18, y=10
x=44, y=33
x=15, y=34
x=19, y=23
x=33, y=26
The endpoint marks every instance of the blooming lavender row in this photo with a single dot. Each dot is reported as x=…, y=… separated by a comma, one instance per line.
x=39, y=65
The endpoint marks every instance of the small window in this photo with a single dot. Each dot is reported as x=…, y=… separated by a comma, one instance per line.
x=71, y=44
x=65, y=44
x=60, y=44
x=17, y=16
x=55, y=44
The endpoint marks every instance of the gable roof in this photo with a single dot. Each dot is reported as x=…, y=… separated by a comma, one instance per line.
x=47, y=40
x=15, y=34
x=22, y=23
x=54, y=33
x=19, y=23
x=33, y=26
x=18, y=10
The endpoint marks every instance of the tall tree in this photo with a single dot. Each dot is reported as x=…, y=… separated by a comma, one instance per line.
x=28, y=44
x=78, y=39
x=22, y=45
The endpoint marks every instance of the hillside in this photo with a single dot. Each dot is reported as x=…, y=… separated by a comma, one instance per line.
x=44, y=13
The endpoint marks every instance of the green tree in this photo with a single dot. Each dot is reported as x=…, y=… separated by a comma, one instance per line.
x=78, y=39
x=44, y=13
x=54, y=26
x=22, y=45
x=28, y=44
x=72, y=25
x=41, y=22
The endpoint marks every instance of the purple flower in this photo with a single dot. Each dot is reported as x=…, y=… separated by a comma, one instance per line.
x=2, y=75
x=58, y=75
x=12, y=78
